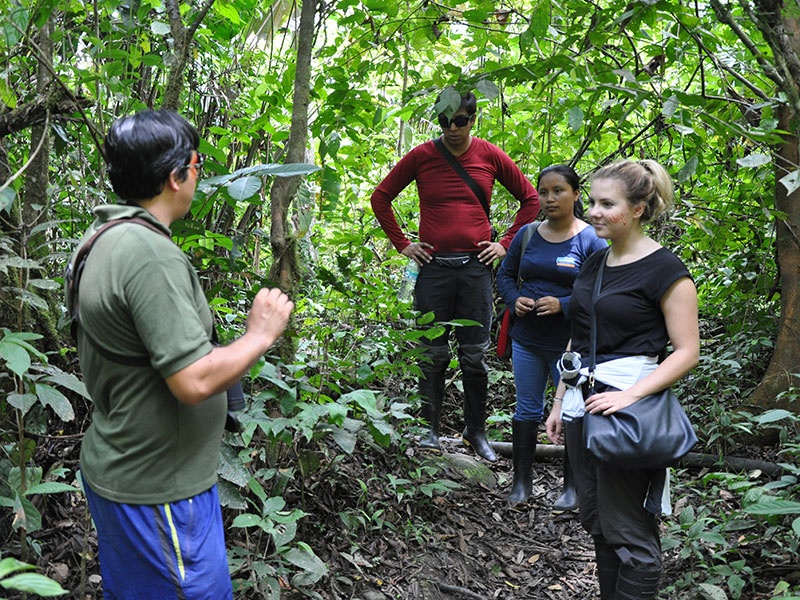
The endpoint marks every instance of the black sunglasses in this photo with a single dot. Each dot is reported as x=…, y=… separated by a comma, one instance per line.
x=459, y=121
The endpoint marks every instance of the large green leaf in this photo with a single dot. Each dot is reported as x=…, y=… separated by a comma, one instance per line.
x=68, y=381
x=688, y=170
x=244, y=188
x=14, y=23
x=18, y=263
x=22, y=402
x=313, y=569
x=35, y=584
x=247, y=520
x=10, y=565
x=345, y=439
x=50, y=487
x=7, y=195
x=50, y=396
x=26, y=516
x=774, y=415
x=231, y=468
x=17, y=358
x=713, y=592
x=754, y=160
x=773, y=506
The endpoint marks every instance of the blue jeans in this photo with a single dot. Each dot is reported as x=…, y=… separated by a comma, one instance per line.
x=531, y=370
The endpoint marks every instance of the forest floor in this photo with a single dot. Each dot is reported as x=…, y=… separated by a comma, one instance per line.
x=478, y=548
x=466, y=543
x=472, y=545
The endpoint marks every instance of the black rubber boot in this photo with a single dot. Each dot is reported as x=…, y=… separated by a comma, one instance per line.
x=523, y=453
x=608, y=567
x=568, y=500
x=637, y=584
x=475, y=416
x=431, y=389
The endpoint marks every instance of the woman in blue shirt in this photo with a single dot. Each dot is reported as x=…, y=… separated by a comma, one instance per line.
x=545, y=273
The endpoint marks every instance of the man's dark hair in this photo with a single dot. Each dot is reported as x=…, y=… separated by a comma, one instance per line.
x=468, y=102
x=142, y=149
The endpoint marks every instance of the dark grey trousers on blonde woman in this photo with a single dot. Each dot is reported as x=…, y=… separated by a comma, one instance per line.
x=611, y=506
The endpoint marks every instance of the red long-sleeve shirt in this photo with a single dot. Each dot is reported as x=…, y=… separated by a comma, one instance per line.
x=452, y=218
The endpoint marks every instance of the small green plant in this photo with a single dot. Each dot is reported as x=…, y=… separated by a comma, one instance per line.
x=708, y=540
x=35, y=389
x=25, y=581
x=290, y=421
x=743, y=521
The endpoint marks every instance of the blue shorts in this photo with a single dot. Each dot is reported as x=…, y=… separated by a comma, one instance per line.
x=164, y=551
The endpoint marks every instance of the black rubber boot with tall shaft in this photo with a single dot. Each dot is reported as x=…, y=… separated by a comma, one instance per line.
x=523, y=454
x=637, y=584
x=568, y=500
x=608, y=566
x=475, y=388
x=431, y=389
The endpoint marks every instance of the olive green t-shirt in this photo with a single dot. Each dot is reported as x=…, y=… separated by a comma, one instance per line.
x=140, y=296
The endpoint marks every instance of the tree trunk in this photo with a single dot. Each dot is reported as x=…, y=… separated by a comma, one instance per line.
x=783, y=372
x=781, y=29
x=284, y=269
x=182, y=37
x=35, y=203
x=33, y=209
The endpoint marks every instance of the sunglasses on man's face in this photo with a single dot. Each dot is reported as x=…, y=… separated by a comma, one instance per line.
x=459, y=121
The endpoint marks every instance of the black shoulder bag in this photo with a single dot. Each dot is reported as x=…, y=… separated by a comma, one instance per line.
x=462, y=172
x=649, y=434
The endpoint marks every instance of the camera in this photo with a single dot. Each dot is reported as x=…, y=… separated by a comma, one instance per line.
x=569, y=366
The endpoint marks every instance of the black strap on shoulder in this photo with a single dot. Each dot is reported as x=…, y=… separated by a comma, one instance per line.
x=73, y=279
x=598, y=284
x=530, y=229
x=461, y=171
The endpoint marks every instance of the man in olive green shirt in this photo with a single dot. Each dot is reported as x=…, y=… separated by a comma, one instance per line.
x=149, y=458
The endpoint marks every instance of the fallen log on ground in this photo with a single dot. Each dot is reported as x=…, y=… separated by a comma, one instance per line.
x=691, y=460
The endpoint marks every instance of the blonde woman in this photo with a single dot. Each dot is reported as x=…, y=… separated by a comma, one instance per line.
x=648, y=301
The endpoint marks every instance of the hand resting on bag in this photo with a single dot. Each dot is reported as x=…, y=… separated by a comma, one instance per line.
x=610, y=401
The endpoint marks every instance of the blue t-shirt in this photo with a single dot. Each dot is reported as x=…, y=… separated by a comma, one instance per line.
x=547, y=269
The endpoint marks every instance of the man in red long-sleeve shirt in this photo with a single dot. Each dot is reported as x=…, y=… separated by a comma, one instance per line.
x=455, y=251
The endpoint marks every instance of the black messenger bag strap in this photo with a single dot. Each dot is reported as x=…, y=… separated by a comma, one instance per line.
x=461, y=171
x=530, y=229
x=598, y=283
x=73, y=280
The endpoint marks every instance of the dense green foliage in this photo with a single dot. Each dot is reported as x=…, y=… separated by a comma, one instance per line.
x=557, y=82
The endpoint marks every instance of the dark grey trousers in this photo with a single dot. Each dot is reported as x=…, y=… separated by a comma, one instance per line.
x=611, y=503
x=453, y=288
